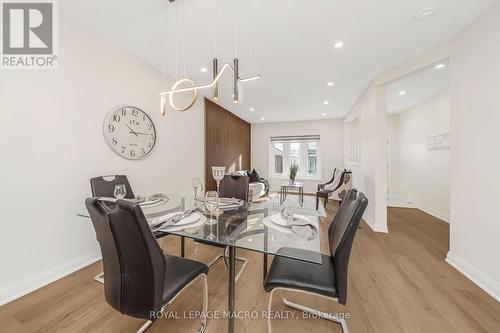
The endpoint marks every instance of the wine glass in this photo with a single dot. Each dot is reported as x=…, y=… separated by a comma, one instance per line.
x=274, y=198
x=120, y=191
x=211, y=204
x=197, y=185
x=218, y=173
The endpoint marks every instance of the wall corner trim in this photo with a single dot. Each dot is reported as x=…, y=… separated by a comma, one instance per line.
x=482, y=280
x=377, y=228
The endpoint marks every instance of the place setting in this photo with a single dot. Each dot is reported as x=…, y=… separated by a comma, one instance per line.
x=176, y=221
x=288, y=222
x=120, y=193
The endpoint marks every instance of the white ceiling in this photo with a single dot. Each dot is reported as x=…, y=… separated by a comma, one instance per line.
x=292, y=44
x=418, y=88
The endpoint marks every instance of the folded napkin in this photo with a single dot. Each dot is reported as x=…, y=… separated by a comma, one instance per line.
x=300, y=226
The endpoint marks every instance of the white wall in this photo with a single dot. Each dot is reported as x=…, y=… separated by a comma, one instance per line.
x=370, y=175
x=331, y=146
x=475, y=157
x=52, y=143
x=419, y=177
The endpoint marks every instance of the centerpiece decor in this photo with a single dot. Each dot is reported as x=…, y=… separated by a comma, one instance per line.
x=293, y=171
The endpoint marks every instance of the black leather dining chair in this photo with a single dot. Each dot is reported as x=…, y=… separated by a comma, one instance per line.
x=328, y=280
x=232, y=186
x=104, y=186
x=140, y=279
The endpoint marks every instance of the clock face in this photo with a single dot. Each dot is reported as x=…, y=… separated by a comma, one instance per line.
x=129, y=132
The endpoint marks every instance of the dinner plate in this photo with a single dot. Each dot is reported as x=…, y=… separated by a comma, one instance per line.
x=270, y=224
x=277, y=219
x=187, y=220
x=225, y=202
x=152, y=202
x=177, y=227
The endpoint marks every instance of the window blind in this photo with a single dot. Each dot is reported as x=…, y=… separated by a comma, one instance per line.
x=296, y=138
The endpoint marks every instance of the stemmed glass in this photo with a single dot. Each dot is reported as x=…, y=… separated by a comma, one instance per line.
x=120, y=191
x=211, y=204
x=218, y=174
x=274, y=197
x=197, y=186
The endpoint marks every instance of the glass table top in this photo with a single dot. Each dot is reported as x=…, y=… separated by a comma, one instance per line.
x=244, y=227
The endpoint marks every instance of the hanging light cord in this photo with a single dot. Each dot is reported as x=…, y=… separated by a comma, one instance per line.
x=184, y=36
x=250, y=34
x=177, y=41
x=235, y=28
x=215, y=27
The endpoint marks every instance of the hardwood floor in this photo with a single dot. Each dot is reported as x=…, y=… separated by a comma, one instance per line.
x=398, y=282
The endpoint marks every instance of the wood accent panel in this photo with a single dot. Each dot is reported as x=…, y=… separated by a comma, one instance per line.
x=227, y=141
x=398, y=282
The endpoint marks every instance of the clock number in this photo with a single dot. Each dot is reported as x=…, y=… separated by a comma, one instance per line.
x=135, y=113
x=143, y=117
x=111, y=128
x=150, y=126
x=124, y=149
x=143, y=151
x=132, y=153
x=124, y=112
x=116, y=118
x=114, y=141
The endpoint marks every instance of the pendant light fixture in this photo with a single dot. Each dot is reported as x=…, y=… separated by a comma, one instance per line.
x=176, y=89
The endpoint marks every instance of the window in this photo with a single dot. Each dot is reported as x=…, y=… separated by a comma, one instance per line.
x=278, y=158
x=302, y=150
x=311, y=158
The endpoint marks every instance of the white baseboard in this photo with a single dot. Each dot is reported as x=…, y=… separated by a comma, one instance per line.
x=31, y=284
x=399, y=203
x=371, y=223
x=479, y=278
x=442, y=216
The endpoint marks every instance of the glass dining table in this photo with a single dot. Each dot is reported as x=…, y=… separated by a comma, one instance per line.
x=245, y=227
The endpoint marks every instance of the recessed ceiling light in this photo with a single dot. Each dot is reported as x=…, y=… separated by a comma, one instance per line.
x=262, y=118
x=425, y=13
x=203, y=69
x=440, y=66
x=326, y=102
x=402, y=93
x=339, y=45
x=323, y=114
x=251, y=109
x=330, y=84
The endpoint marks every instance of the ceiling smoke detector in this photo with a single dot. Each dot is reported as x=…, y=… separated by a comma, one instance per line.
x=425, y=13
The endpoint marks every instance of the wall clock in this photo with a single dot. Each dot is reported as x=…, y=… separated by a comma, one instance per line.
x=129, y=132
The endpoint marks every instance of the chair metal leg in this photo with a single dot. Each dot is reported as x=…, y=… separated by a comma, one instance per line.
x=314, y=312
x=269, y=325
x=99, y=278
x=203, y=324
x=145, y=327
x=243, y=260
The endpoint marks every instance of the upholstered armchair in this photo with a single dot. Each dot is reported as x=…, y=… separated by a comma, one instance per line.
x=322, y=186
x=336, y=189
